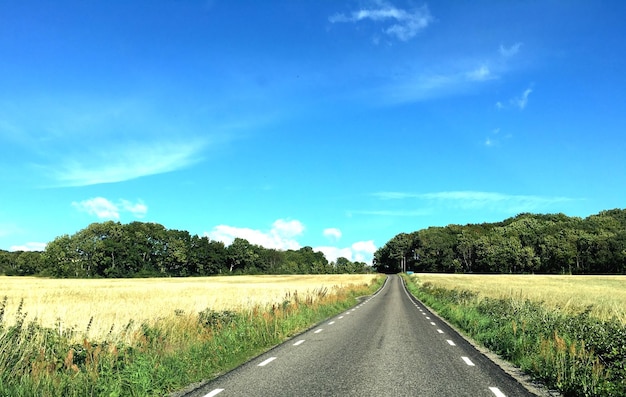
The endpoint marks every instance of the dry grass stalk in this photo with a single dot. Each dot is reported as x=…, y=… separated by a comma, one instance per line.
x=606, y=295
x=105, y=307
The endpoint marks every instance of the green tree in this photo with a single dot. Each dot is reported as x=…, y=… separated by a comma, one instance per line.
x=60, y=258
x=241, y=254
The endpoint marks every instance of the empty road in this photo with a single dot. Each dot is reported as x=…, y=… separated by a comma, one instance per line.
x=389, y=345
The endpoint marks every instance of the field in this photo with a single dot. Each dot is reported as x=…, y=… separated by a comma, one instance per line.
x=150, y=337
x=604, y=295
x=102, y=305
x=566, y=331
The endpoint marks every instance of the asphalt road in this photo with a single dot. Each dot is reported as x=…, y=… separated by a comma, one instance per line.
x=389, y=345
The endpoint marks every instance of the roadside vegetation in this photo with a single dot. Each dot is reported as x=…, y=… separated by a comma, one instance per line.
x=156, y=357
x=106, y=306
x=556, y=337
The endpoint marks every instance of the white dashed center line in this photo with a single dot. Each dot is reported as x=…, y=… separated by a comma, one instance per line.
x=301, y=341
x=497, y=392
x=468, y=361
x=214, y=393
x=318, y=331
x=340, y=317
x=450, y=342
x=269, y=360
x=432, y=323
x=331, y=323
x=440, y=331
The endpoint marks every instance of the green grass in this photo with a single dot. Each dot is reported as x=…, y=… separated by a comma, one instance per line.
x=161, y=357
x=576, y=354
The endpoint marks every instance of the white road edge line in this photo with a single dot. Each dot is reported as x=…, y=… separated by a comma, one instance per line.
x=450, y=342
x=497, y=392
x=269, y=360
x=214, y=393
x=301, y=341
x=468, y=361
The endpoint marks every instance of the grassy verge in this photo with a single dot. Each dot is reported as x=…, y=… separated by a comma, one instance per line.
x=574, y=353
x=158, y=358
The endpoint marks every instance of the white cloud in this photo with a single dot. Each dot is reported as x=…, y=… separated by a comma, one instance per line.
x=332, y=253
x=289, y=229
x=522, y=100
x=98, y=206
x=364, y=250
x=283, y=234
x=404, y=24
x=280, y=236
x=30, y=246
x=361, y=251
x=129, y=161
x=138, y=209
x=105, y=209
x=332, y=233
x=510, y=51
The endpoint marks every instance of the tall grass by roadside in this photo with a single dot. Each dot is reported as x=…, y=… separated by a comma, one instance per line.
x=107, y=305
x=574, y=353
x=155, y=358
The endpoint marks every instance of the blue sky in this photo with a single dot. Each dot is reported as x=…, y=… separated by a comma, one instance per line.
x=332, y=124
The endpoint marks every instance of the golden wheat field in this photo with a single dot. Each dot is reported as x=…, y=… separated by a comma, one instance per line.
x=106, y=304
x=605, y=294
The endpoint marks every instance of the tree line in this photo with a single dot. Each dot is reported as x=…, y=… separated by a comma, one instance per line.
x=526, y=243
x=141, y=249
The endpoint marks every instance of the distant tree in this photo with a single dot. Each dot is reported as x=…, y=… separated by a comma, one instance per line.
x=60, y=258
x=241, y=254
x=526, y=243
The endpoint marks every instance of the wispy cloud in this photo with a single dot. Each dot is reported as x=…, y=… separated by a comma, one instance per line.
x=508, y=52
x=469, y=200
x=122, y=163
x=522, y=100
x=394, y=213
x=496, y=138
x=7, y=229
x=103, y=208
x=420, y=87
x=401, y=24
x=480, y=74
x=519, y=102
